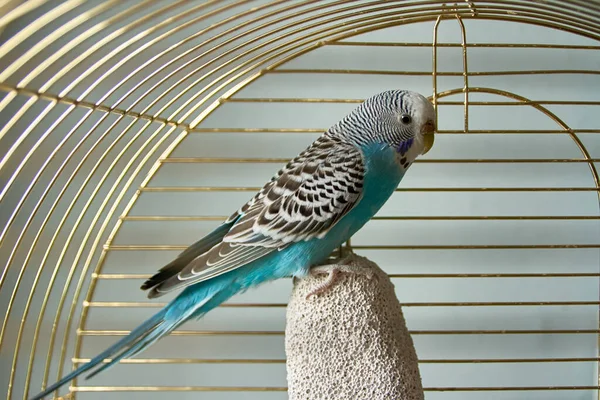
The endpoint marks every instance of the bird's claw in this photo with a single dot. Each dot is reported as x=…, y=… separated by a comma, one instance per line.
x=333, y=272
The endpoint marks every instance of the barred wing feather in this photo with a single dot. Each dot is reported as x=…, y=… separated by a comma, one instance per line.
x=304, y=200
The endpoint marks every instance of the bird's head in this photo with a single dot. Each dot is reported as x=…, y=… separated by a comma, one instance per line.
x=402, y=119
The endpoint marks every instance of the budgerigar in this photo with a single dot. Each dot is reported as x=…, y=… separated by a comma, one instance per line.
x=307, y=210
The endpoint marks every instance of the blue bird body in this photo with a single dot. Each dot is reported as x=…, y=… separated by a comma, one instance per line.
x=371, y=171
x=381, y=179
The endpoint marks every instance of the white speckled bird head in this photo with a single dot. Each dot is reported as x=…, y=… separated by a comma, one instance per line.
x=403, y=119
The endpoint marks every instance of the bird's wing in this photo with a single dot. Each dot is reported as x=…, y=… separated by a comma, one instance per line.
x=303, y=201
x=189, y=254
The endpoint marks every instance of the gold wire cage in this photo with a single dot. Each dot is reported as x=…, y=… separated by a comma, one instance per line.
x=129, y=128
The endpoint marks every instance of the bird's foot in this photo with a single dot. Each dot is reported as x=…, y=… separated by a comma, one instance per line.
x=333, y=272
x=347, y=253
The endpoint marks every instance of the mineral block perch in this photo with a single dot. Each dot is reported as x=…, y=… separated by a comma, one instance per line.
x=350, y=342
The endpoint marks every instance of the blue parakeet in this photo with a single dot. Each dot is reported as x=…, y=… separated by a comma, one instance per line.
x=314, y=204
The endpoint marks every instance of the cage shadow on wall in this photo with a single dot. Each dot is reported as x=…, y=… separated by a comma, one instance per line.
x=130, y=129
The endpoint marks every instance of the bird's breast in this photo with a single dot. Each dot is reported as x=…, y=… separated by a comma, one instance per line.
x=382, y=176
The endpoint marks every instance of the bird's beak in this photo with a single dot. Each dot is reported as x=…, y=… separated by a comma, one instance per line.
x=428, y=131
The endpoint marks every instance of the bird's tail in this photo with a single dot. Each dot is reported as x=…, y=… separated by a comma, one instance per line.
x=160, y=324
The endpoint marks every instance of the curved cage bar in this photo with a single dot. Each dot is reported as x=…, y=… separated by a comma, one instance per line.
x=131, y=128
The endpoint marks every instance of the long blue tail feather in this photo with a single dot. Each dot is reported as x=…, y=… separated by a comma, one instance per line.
x=135, y=336
x=159, y=325
x=148, y=338
x=193, y=302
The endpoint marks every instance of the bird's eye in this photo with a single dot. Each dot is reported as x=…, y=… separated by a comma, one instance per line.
x=406, y=119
